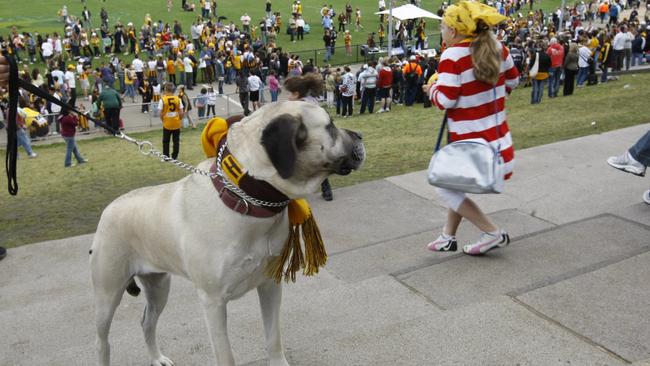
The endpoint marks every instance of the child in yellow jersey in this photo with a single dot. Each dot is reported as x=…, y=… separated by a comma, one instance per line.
x=348, y=42
x=83, y=119
x=180, y=67
x=171, y=70
x=171, y=116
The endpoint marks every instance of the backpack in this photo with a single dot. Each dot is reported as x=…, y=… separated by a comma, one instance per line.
x=517, y=57
x=412, y=76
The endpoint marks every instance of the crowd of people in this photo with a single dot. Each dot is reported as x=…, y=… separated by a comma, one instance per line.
x=562, y=49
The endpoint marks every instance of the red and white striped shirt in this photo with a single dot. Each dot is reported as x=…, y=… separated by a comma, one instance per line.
x=470, y=104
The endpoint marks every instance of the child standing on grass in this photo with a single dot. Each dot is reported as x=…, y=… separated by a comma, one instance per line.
x=200, y=102
x=69, y=124
x=348, y=43
x=358, y=20
x=212, y=102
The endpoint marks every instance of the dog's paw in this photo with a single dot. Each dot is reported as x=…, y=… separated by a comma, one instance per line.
x=162, y=361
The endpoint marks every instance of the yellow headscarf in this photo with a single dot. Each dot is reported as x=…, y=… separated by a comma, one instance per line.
x=464, y=15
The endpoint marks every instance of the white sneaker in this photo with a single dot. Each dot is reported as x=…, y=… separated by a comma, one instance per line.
x=646, y=196
x=33, y=155
x=487, y=242
x=444, y=243
x=381, y=110
x=627, y=164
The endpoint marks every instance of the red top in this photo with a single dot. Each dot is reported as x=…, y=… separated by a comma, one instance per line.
x=556, y=52
x=385, y=78
x=474, y=107
x=68, y=125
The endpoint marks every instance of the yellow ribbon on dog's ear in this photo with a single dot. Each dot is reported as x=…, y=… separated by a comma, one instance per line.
x=301, y=220
x=212, y=134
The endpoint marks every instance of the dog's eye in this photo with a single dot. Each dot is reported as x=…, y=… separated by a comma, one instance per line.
x=332, y=130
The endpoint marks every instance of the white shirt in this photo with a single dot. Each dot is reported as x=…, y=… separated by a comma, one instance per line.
x=59, y=75
x=151, y=65
x=138, y=65
x=58, y=46
x=187, y=64
x=629, y=37
x=619, y=41
x=584, y=54
x=254, y=83
x=47, y=48
x=206, y=5
x=55, y=108
x=68, y=77
x=245, y=20
x=300, y=22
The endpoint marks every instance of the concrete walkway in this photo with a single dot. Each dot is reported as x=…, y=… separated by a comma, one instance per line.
x=572, y=289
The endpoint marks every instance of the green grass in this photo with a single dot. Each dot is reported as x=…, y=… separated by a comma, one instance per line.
x=41, y=15
x=57, y=202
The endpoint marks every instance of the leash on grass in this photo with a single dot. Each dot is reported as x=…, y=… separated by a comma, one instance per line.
x=16, y=83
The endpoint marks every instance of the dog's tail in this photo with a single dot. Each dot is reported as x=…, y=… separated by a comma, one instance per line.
x=133, y=288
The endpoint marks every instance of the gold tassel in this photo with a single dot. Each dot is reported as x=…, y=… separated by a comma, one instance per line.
x=302, y=221
x=316, y=256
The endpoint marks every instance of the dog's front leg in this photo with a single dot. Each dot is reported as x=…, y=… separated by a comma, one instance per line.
x=216, y=319
x=270, y=294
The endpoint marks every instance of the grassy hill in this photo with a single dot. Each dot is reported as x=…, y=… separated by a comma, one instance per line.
x=57, y=202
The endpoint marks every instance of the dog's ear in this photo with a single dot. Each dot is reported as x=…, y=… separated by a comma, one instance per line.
x=282, y=138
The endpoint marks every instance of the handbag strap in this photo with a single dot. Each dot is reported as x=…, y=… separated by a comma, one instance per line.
x=442, y=131
x=496, y=118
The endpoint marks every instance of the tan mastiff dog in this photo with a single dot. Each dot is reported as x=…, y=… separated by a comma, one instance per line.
x=184, y=228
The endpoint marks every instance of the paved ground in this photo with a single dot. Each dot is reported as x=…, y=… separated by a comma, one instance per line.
x=572, y=289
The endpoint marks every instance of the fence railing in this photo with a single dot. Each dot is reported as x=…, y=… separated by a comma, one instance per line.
x=357, y=54
x=135, y=120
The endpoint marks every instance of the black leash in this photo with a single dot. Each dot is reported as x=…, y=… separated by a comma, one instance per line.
x=12, y=140
x=15, y=83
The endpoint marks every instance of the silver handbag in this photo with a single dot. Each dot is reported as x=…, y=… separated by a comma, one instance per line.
x=471, y=166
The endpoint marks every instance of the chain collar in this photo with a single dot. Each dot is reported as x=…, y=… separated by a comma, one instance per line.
x=238, y=191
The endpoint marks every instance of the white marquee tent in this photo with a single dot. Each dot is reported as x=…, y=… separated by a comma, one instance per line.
x=409, y=11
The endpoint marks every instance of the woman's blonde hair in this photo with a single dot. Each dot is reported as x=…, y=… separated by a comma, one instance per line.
x=486, y=55
x=573, y=47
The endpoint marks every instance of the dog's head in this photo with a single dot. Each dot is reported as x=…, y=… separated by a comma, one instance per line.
x=294, y=146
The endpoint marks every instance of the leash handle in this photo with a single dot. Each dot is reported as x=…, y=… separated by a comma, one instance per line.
x=440, y=134
x=12, y=127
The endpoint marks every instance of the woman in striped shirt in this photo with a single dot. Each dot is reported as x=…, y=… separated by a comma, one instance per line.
x=474, y=75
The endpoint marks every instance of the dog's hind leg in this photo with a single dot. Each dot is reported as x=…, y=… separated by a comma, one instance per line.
x=270, y=295
x=156, y=289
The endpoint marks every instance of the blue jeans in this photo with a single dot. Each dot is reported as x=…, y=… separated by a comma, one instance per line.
x=636, y=58
x=328, y=53
x=71, y=148
x=23, y=140
x=641, y=150
x=603, y=76
x=583, y=72
x=554, y=75
x=274, y=96
x=538, y=91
